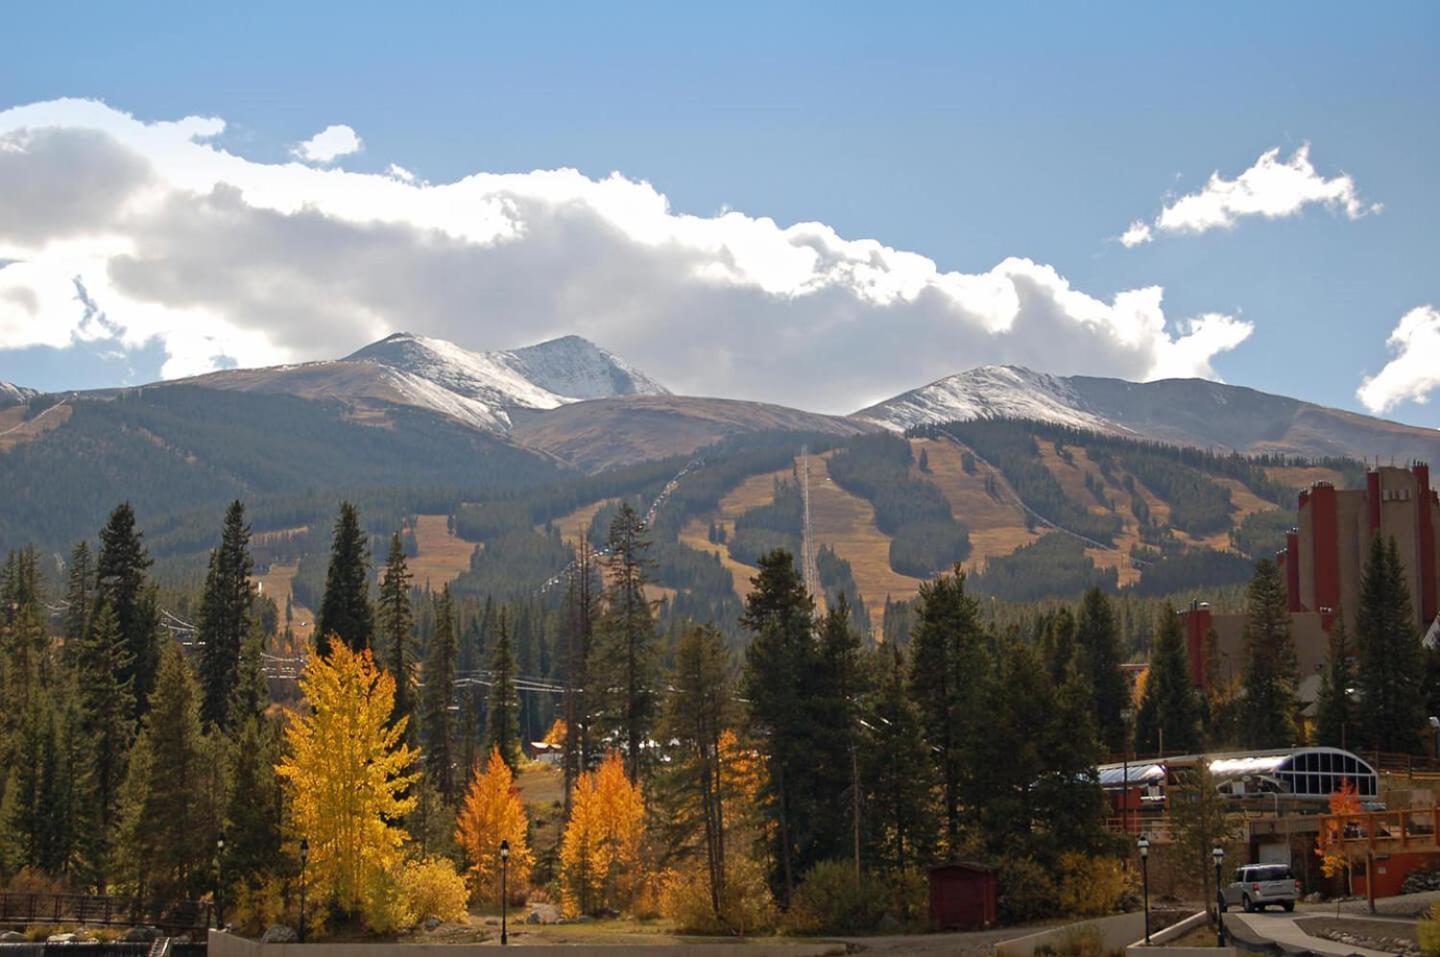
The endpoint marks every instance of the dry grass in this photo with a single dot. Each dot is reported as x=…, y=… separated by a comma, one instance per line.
x=577, y=523
x=846, y=523
x=755, y=491
x=1297, y=477
x=276, y=582
x=542, y=790
x=996, y=527
x=1071, y=476
x=15, y=428
x=442, y=556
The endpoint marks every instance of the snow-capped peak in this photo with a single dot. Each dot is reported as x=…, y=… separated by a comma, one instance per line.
x=543, y=376
x=14, y=394
x=987, y=392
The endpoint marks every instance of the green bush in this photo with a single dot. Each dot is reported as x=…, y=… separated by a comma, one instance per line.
x=831, y=901
x=1027, y=891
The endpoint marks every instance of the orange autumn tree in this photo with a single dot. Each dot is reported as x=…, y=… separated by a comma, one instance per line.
x=600, y=855
x=348, y=774
x=1330, y=843
x=491, y=812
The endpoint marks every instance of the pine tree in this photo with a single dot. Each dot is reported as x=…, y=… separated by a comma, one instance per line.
x=503, y=727
x=396, y=625
x=1098, y=637
x=79, y=600
x=24, y=634
x=121, y=576
x=839, y=686
x=107, y=718
x=1071, y=802
x=250, y=698
x=945, y=674
x=1392, y=703
x=253, y=813
x=1267, y=713
x=780, y=662
x=581, y=612
x=437, y=728
x=1334, y=711
x=626, y=659
x=167, y=827
x=345, y=606
x=898, y=775
x=1169, y=715
x=696, y=715
x=224, y=620
x=32, y=806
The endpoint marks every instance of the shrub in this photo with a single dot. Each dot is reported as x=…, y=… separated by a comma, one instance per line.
x=258, y=906
x=745, y=906
x=1090, y=886
x=1027, y=891
x=434, y=888
x=1083, y=941
x=387, y=906
x=830, y=900
x=1428, y=930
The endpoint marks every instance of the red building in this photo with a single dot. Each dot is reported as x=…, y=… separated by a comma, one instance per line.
x=962, y=897
x=1322, y=564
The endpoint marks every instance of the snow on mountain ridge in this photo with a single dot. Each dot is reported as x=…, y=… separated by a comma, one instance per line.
x=478, y=387
x=988, y=392
x=11, y=394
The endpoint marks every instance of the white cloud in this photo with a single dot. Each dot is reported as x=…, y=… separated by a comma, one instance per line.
x=212, y=254
x=1415, y=371
x=1272, y=188
x=328, y=145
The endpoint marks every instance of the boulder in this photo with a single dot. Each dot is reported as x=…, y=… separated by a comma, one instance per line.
x=61, y=939
x=543, y=914
x=11, y=937
x=432, y=922
x=279, y=934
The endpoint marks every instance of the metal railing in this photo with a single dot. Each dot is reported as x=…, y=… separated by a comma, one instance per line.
x=18, y=908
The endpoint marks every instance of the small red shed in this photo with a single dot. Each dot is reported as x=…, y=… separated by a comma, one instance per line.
x=962, y=896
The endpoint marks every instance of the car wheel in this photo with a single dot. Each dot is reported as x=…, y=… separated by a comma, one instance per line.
x=1249, y=905
x=1289, y=906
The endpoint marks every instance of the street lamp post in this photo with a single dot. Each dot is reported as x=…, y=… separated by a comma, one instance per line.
x=1144, y=845
x=1435, y=727
x=504, y=897
x=1219, y=856
x=304, y=859
x=220, y=880
x=1127, y=715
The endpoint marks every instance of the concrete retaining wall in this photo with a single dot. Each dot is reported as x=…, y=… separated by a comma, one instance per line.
x=229, y=945
x=1119, y=932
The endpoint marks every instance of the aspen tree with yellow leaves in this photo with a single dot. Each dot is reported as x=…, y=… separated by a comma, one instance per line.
x=601, y=853
x=349, y=776
x=491, y=812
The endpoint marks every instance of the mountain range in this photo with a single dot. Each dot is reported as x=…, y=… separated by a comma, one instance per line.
x=573, y=400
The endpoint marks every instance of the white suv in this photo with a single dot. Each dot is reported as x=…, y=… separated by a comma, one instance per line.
x=1256, y=885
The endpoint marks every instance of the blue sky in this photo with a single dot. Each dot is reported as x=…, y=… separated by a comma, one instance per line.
x=964, y=134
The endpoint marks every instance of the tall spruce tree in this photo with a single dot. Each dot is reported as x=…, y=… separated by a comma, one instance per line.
x=224, y=620
x=696, y=715
x=626, y=656
x=121, y=579
x=945, y=675
x=780, y=663
x=24, y=635
x=1267, y=711
x=253, y=813
x=396, y=625
x=581, y=610
x=345, y=606
x=166, y=826
x=108, y=720
x=1334, y=710
x=437, y=727
x=503, y=727
x=79, y=600
x=897, y=773
x=1169, y=715
x=1391, y=663
x=840, y=685
x=1098, y=636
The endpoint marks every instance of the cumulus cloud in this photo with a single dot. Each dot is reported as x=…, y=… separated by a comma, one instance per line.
x=328, y=145
x=214, y=255
x=1272, y=188
x=1415, y=371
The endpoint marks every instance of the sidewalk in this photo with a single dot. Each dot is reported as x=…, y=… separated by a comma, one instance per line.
x=1281, y=929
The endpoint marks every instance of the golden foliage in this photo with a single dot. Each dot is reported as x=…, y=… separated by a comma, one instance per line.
x=556, y=734
x=1428, y=930
x=745, y=906
x=600, y=854
x=348, y=773
x=433, y=888
x=1090, y=886
x=492, y=812
x=1330, y=843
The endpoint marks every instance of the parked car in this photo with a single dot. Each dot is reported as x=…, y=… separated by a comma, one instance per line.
x=1257, y=885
